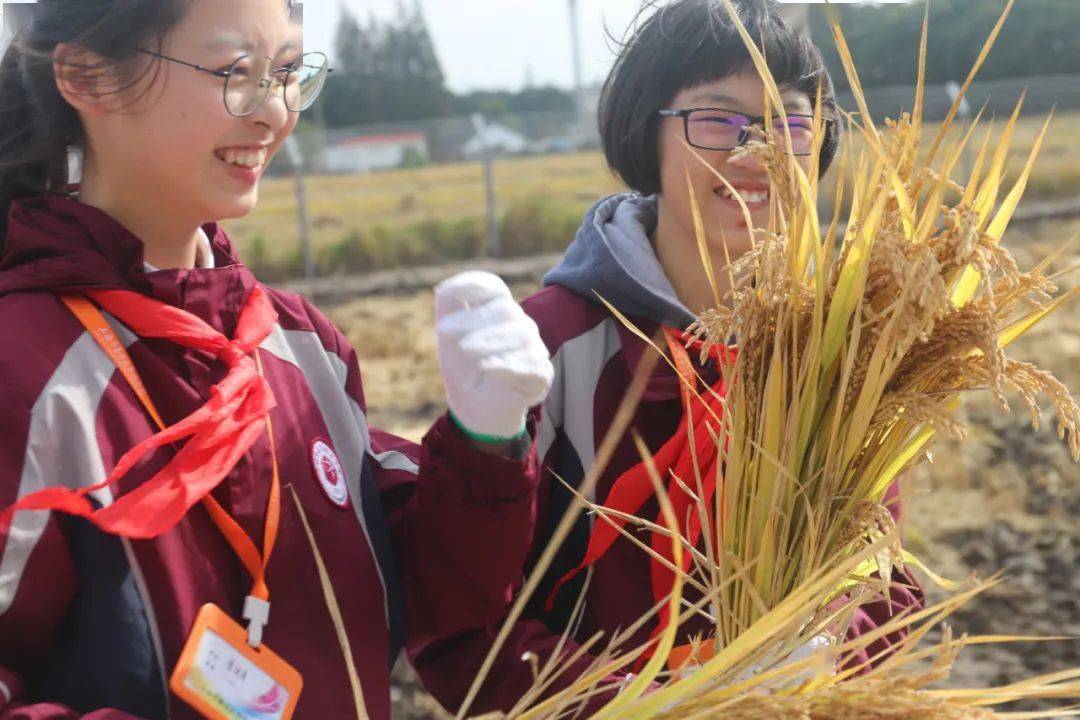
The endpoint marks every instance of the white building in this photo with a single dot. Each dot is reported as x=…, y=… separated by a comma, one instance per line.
x=365, y=153
x=495, y=138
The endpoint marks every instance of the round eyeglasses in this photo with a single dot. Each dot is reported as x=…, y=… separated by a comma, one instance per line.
x=249, y=81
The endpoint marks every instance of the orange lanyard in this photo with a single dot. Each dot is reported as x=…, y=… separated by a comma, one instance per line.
x=256, y=607
x=684, y=367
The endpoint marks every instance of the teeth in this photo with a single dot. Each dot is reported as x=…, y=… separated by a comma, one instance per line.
x=243, y=158
x=748, y=196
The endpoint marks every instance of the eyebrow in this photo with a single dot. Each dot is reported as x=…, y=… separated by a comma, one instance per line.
x=790, y=106
x=223, y=43
x=230, y=42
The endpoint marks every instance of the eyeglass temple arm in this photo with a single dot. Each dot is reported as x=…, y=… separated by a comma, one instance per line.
x=200, y=68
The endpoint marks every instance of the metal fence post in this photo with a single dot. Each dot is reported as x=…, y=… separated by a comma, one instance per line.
x=494, y=241
x=296, y=158
x=967, y=164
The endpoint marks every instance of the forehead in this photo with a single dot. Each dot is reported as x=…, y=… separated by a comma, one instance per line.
x=249, y=26
x=743, y=91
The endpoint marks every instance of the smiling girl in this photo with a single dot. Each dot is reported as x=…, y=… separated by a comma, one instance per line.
x=682, y=90
x=200, y=522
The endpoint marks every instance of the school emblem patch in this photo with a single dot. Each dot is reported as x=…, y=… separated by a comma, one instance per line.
x=328, y=470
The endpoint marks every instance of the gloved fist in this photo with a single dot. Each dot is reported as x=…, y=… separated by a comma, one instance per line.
x=494, y=363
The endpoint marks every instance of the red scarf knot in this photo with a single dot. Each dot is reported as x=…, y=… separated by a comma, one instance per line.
x=218, y=433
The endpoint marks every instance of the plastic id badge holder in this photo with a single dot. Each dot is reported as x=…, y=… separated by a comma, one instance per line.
x=224, y=678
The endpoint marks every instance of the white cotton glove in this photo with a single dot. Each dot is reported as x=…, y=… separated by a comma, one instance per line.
x=816, y=645
x=494, y=363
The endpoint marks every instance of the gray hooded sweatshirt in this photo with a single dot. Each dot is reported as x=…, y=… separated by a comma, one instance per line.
x=612, y=257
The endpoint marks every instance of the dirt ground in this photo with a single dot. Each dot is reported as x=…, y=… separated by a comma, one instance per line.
x=1005, y=500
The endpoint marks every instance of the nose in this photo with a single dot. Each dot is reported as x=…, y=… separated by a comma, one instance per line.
x=745, y=161
x=272, y=113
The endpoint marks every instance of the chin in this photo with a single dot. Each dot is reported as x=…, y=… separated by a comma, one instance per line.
x=234, y=208
x=738, y=244
x=735, y=236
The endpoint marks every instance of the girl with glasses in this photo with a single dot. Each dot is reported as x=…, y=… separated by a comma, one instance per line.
x=683, y=90
x=197, y=519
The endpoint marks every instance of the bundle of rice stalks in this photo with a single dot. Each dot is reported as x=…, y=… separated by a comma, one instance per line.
x=856, y=345
x=896, y=688
x=856, y=342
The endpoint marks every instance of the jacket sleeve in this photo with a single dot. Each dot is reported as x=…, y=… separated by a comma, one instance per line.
x=905, y=597
x=461, y=520
x=448, y=665
x=37, y=577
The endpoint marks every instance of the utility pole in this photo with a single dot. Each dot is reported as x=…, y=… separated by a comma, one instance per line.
x=479, y=123
x=296, y=159
x=575, y=47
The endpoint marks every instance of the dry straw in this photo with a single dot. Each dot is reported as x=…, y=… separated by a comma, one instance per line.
x=856, y=342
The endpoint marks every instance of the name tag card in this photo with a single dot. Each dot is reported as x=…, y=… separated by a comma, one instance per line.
x=224, y=678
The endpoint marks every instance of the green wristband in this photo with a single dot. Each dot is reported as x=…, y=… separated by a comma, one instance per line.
x=486, y=439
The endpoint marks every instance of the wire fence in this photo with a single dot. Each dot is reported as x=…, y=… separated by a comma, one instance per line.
x=1041, y=95
x=415, y=193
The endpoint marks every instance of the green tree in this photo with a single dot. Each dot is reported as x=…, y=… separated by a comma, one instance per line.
x=386, y=71
x=1039, y=39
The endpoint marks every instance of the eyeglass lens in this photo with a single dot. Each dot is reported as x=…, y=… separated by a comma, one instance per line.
x=724, y=130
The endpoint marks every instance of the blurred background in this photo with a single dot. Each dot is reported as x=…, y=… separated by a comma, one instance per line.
x=461, y=129
x=462, y=133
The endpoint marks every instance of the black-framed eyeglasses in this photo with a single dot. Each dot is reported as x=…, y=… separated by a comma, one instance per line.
x=249, y=80
x=721, y=129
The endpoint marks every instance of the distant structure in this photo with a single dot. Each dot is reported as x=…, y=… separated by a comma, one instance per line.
x=494, y=138
x=367, y=153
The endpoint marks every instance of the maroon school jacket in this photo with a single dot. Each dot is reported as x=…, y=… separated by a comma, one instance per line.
x=420, y=542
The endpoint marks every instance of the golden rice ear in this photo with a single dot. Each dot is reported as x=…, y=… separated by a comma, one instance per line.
x=969, y=282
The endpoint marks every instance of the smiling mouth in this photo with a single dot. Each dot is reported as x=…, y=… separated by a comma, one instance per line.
x=243, y=158
x=748, y=196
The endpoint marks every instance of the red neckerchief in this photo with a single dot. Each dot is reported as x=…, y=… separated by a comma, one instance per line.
x=218, y=433
x=690, y=451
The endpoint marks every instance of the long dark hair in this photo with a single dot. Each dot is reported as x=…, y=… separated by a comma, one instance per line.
x=686, y=43
x=38, y=128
